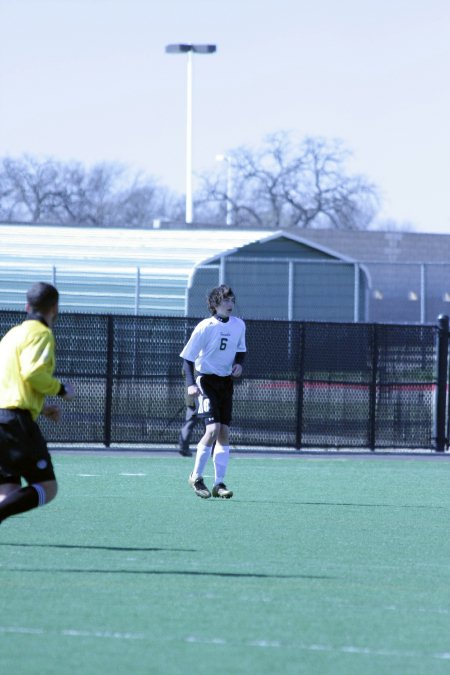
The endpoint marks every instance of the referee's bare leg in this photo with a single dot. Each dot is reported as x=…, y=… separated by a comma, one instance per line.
x=21, y=499
x=7, y=488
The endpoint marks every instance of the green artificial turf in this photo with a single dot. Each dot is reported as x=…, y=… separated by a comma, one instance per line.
x=317, y=566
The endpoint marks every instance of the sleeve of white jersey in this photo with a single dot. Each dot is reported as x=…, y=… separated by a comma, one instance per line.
x=193, y=346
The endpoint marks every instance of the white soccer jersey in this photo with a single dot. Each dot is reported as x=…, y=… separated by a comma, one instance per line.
x=213, y=345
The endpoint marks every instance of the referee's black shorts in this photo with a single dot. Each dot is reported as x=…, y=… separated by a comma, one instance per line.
x=216, y=399
x=23, y=449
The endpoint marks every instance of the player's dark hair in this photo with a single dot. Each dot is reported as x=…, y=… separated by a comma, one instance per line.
x=41, y=296
x=216, y=296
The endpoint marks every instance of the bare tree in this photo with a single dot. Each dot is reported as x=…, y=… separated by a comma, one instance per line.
x=286, y=184
x=279, y=185
x=29, y=190
x=50, y=191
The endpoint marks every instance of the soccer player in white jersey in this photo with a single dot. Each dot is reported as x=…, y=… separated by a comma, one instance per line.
x=213, y=356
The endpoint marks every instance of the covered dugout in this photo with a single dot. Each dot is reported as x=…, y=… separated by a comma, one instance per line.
x=285, y=277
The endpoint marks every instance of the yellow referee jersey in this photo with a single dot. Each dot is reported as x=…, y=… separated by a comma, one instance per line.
x=27, y=363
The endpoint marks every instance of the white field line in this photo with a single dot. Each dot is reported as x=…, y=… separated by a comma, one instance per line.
x=22, y=630
x=132, y=474
x=262, y=643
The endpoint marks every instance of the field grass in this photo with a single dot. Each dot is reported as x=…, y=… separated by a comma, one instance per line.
x=317, y=566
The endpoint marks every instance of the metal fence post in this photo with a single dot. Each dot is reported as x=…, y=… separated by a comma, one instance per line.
x=300, y=335
x=439, y=439
x=373, y=387
x=423, y=294
x=222, y=270
x=356, y=294
x=109, y=380
x=448, y=406
x=290, y=308
x=137, y=291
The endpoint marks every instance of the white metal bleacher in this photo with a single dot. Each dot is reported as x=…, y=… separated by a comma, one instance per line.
x=110, y=270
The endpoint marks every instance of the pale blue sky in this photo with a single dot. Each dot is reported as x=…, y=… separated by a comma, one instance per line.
x=89, y=80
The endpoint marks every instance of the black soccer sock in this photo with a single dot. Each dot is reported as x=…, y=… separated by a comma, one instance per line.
x=19, y=501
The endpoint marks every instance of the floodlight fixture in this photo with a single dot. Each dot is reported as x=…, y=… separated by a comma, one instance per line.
x=182, y=48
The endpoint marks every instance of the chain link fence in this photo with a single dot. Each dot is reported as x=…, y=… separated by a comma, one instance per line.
x=305, y=384
x=295, y=290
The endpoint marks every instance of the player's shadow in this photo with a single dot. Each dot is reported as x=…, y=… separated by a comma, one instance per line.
x=195, y=573
x=348, y=504
x=375, y=506
x=127, y=549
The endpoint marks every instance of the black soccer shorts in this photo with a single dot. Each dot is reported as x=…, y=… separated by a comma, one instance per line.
x=23, y=449
x=215, y=403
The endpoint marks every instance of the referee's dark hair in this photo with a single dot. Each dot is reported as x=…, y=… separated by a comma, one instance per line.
x=41, y=296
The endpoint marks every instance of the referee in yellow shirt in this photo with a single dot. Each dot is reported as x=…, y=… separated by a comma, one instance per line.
x=27, y=364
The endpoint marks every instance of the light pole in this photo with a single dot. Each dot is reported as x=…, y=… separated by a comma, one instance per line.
x=189, y=49
x=229, y=204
